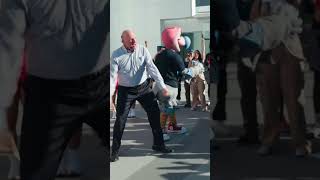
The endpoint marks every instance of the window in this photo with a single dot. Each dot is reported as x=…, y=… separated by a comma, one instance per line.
x=202, y=3
x=202, y=6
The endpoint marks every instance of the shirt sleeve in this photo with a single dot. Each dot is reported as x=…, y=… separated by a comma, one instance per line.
x=13, y=25
x=153, y=70
x=113, y=74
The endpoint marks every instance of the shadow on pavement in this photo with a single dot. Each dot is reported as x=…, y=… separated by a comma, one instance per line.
x=246, y=164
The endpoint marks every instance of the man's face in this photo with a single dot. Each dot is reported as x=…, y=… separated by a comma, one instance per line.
x=129, y=40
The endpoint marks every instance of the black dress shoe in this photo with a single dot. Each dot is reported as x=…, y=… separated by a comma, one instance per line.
x=114, y=157
x=162, y=149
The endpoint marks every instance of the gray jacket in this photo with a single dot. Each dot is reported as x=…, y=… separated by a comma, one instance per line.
x=61, y=39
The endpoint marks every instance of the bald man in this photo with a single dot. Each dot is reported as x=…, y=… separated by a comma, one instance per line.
x=132, y=64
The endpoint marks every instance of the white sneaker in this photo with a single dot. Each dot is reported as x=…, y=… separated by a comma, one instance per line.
x=114, y=115
x=132, y=113
x=166, y=137
x=14, y=171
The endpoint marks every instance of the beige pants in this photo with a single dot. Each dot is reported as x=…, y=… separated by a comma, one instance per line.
x=197, y=90
x=284, y=78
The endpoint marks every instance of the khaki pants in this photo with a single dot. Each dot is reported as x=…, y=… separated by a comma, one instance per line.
x=197, y=89
x=284, y=79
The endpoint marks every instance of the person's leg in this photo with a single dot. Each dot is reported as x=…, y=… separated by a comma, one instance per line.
x=124, y=102
x=179, y=91
x=316, y=95
x=194, y=92
x=208, y=89
x=49, y=119
x=292, y=84
x=171, y=112
x=219, y=112
x=248, y=101
x=114, y=112
x=70, y=163
x=201, y=95
x=12, y=115
x=187, y=94
x=316, y=102
x=269, y=90
x=148, y=101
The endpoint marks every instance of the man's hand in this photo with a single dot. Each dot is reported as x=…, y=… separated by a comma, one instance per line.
x=165, y=92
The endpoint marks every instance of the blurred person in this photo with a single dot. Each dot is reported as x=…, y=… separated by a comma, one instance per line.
x=281, y=74
x=315, y=64
x=247, y=82
x=62, y=88
x=171, y=67
x=190, y=56
x=197, y=84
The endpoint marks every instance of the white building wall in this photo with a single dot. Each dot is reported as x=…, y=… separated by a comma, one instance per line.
x=143, y=17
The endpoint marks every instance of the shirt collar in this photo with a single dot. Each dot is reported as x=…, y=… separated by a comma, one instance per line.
x=126, y=50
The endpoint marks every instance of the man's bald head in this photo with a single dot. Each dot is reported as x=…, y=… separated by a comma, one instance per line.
x=129, y=40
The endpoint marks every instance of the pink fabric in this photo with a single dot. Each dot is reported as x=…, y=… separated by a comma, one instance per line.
x=171, y=38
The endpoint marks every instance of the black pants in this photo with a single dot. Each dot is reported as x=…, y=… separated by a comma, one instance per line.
x=53, y=111
x=126, y=97
x=187, y=93
x=248, y=101
x=219, y=112
x=179, y=90
x=316, y=92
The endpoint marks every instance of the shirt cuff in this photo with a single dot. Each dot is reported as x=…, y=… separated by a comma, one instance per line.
x=162, y=85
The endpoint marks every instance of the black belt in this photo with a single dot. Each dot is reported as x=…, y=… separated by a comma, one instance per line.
x=144, y=85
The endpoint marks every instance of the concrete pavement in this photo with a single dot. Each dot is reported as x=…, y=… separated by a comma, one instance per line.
x=190, y=159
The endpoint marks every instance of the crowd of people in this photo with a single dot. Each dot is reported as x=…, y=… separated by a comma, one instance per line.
x=264, y=38
x=162, y=75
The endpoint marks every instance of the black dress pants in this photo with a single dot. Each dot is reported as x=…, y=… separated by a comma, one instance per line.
x=126, y=97
x=53, y=111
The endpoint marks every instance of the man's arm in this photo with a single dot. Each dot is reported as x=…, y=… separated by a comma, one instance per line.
x=13, y=25
x=153, y=70
x=113, y=74
x=203, y=48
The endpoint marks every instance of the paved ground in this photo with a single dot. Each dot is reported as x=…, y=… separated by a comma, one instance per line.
x=190, y=160
x=233, y=162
